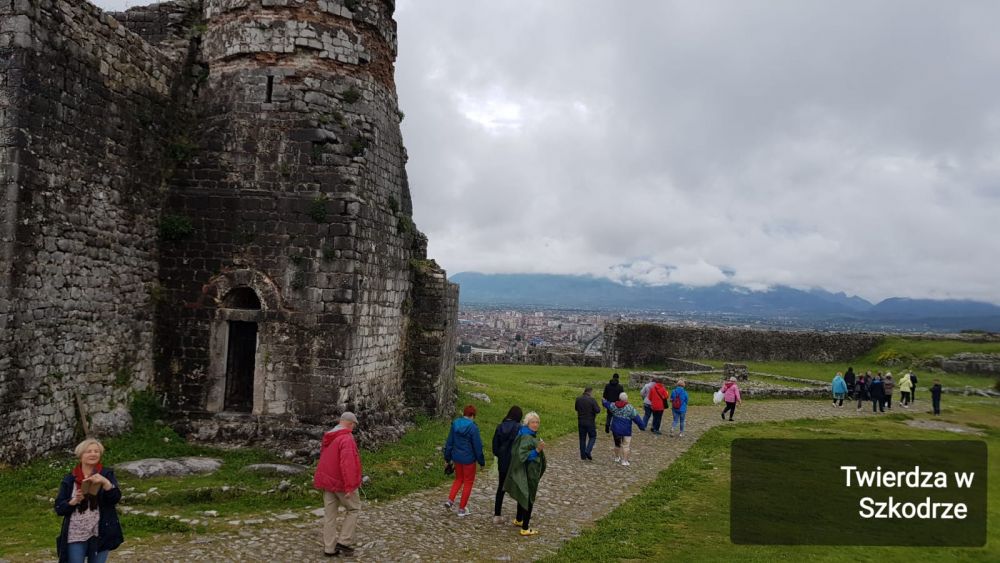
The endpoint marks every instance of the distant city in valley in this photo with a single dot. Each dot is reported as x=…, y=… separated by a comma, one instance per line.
x=515, y=313
x=517, y=329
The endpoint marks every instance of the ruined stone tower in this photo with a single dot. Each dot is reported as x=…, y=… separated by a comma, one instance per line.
x=258, y=263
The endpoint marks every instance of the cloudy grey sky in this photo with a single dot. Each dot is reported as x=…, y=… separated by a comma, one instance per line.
x=853, y=146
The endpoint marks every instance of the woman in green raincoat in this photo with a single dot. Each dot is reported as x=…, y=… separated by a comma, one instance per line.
x=526, y=469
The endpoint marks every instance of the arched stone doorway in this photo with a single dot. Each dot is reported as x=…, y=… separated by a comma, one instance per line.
x=236, y=371
x=241, y=348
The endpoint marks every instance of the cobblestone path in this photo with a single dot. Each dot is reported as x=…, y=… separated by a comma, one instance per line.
x=572, y=495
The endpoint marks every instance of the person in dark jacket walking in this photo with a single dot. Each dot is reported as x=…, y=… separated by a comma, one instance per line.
x=86, y=501
x=611, y=392
x=877, y=393
x=936, y=396
x=465, y=448
x=503, y=439
x=587, y=410
x=849, y=379
x=861, y=389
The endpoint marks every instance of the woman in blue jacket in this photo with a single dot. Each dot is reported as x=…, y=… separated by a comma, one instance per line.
x=503, y=439
x=464, y=447
x=86, y=501
x=839, y=386
x=622, y=416
x=679, y=406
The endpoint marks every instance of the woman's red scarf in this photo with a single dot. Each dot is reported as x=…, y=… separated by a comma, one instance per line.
x=89, y=500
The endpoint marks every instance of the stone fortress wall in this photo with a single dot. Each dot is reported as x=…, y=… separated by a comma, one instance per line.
x=211, y=197
x=80, y=100
x=639, y=344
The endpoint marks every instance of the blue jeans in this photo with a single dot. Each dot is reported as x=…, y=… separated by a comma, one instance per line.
x=77, y=552
x=588, y=437
x=647, y=411
x=678, y=417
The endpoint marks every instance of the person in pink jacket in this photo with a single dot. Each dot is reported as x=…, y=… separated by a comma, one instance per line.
x=338, y=475
x=731, y=395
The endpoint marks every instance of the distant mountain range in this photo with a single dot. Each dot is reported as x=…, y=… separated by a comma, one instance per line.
x=586, y=292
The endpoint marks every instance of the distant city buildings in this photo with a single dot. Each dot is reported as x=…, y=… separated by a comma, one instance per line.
x=518, y=330
x=508, y=331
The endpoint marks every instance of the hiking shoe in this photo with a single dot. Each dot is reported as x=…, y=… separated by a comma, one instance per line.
x=518, y=523
x=626, y=463
x=498, y=519
x=345, y=549
x=448, y=504
x=529, y=532
x=463, y=512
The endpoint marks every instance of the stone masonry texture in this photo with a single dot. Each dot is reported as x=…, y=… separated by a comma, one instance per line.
x=638, y=344
x=178, y=172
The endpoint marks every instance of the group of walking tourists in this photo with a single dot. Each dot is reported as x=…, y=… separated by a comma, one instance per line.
x=88, y=495
x=879, y=389
x=520, y=453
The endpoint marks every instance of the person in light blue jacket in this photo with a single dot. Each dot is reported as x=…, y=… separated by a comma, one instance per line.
x=622, y=416
x=839, y=390
x=679, y=406
x=465, y=448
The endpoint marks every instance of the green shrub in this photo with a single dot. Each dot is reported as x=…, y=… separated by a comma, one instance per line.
x=358, y=146
x=892, y=357
x=405, y=225
x=175, y=227
x=318, y=209
x=145, y=409
x=351, y=95
x=181, y=149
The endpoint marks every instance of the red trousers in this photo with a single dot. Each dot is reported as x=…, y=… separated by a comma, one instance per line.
x=465, y=476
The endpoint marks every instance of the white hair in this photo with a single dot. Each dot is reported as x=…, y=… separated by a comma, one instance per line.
x=82, y=446
x=531, y=416
x=622, y=396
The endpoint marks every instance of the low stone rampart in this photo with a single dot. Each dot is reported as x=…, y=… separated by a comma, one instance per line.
x=638, y=344
x=537, y=358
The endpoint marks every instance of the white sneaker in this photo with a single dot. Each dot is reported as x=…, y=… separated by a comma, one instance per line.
x=618, y=459
x=681, y=434
x=463, y=512
x=626, y=463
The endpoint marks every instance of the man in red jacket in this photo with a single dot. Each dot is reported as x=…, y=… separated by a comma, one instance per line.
x=338, y=475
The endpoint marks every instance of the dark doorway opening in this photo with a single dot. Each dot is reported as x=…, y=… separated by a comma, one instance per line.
x=240, y=355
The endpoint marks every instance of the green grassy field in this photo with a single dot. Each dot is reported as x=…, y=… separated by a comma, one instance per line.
x=684, y=514
x=906, y=352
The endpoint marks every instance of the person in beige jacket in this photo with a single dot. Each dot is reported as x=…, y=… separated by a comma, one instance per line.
x=905, y=390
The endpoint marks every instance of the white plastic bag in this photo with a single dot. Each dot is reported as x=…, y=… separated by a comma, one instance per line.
x=717, y=397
